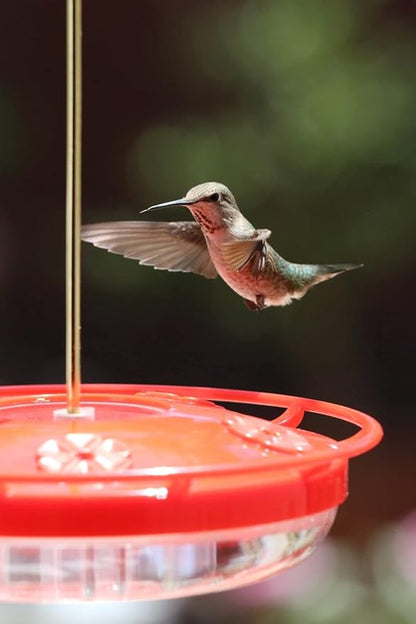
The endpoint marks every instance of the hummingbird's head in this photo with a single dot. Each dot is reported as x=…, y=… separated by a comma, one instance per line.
x=210, y=193
x=210, y=200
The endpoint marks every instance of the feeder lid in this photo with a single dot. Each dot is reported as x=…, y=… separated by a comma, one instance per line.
x=161, y=459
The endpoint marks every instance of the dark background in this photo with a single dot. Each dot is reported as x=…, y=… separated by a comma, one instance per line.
x=306, y=110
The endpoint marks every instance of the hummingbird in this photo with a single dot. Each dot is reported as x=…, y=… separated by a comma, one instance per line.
x=220, y=241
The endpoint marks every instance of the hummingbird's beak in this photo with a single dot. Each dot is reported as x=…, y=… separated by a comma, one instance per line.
x=175, y=202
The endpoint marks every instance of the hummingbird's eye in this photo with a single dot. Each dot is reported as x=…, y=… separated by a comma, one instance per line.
x=214, y=197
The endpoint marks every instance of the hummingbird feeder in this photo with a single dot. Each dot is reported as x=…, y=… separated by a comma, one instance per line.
x=129, y=492
x=155, y=491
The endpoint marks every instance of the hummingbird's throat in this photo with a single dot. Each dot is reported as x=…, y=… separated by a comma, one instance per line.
x=209, y=224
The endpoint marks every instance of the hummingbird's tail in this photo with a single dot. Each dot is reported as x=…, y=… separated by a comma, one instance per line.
x=328, y=271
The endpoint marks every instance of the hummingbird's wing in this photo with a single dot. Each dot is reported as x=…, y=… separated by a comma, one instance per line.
x=238, y=253
x=176, y=246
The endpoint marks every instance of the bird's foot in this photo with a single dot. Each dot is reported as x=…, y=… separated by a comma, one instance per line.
x=256, y=305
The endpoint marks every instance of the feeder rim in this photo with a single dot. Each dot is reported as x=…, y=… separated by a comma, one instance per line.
x=369, y=434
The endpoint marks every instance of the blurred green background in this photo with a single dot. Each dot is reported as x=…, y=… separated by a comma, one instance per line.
x=307, y=111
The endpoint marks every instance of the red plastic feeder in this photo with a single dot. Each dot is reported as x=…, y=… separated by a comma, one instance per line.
x=155, y=491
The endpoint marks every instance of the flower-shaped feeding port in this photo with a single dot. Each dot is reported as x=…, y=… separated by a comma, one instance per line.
x=163, y=493
x=82, y=453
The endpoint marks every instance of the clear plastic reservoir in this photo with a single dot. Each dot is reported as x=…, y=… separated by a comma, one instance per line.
x=132, y=568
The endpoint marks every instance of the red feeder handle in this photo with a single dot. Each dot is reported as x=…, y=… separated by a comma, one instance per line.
x=370, y=430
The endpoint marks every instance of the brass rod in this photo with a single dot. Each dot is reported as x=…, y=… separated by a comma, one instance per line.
x=73, y=204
